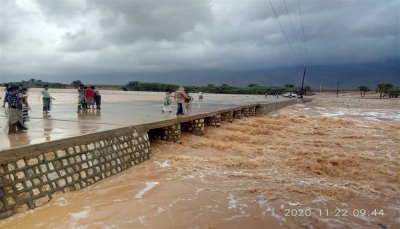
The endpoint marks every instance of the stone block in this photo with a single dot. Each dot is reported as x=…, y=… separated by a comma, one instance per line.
x=50, y=165
x=61, y=182
x=62, y=172
x=20, y=175
x=83, y=184
x=77, y=158
x=23, y=208
x=70, y=151
x=24, y=195
x=9, y=178
x=91, y=146
x=42, y=200
x=75, y=176
x=19, y=186
x=21, y=163
x=28, y=183
x=83, y=174
x=61, y=153
x=46, y=188
x=36, y=181
x=90, y=172
x=49, y=156
x=8, y=189
x=57, y=164
x=43, y=168
x=10, y=200
x=35, y=191
x=11, y=166
x=43, y=178
x=30, y=173
x=77, y=186
x=71, y=160
x=32, y=161
x=53, y=176
x=70, y=170
x=85, y=165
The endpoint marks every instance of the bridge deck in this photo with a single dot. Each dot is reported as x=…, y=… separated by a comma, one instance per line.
x=64, y=121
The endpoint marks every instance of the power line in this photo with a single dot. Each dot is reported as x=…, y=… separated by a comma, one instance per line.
x=298, y=46
x=284, y=32
x=304, y=36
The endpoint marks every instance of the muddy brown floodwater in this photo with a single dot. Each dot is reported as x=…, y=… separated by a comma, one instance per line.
x=314, y=165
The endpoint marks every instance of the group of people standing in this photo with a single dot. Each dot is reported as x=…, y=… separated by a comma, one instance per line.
x=88, y=97
x=18, y=107
x=182, y=98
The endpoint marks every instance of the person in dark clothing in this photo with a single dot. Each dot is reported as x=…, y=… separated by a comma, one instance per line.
x=15, y=119
x=180, y=97
x=97, y=97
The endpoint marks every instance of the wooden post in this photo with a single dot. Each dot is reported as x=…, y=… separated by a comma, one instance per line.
x=337, y=89
x=302, y=83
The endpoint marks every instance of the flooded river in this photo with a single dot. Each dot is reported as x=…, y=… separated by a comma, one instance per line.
x=306, y=166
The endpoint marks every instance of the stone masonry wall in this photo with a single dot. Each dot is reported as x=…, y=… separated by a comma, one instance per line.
x=245, y=112
x=227, y=116
x=237, y=114
x=31, y=181
x=195, y=127
x=269, y=107
x=214, y=121
x=252, y=111
x=170, y=133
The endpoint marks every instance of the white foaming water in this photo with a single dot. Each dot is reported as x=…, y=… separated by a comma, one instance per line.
x=61, y=202
x=232, y=201
x=81, y=214
x=273, y=214
x=262, y=203
x=164, y=164
x=149, y=185
x=294, y=204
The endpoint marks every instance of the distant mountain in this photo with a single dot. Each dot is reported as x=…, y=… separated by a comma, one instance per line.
x=349, y=76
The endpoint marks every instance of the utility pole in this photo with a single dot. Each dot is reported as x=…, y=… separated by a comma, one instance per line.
x=320, y=86
x=302, y=83
x=337, y=89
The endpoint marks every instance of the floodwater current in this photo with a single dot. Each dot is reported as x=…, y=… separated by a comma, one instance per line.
x=306, y=166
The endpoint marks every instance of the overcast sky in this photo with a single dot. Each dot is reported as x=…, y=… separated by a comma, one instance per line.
x=48, y=39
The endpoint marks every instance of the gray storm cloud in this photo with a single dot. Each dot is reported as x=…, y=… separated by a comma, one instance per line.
x=48, y=38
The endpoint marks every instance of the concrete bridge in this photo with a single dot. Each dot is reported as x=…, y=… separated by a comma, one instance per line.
x=69, y=149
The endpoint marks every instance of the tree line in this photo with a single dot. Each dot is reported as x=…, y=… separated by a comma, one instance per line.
x=37, y=83
x=211, y=88
x=382, y=89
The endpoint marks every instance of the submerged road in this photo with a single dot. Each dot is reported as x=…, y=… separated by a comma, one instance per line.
x=66, y=121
